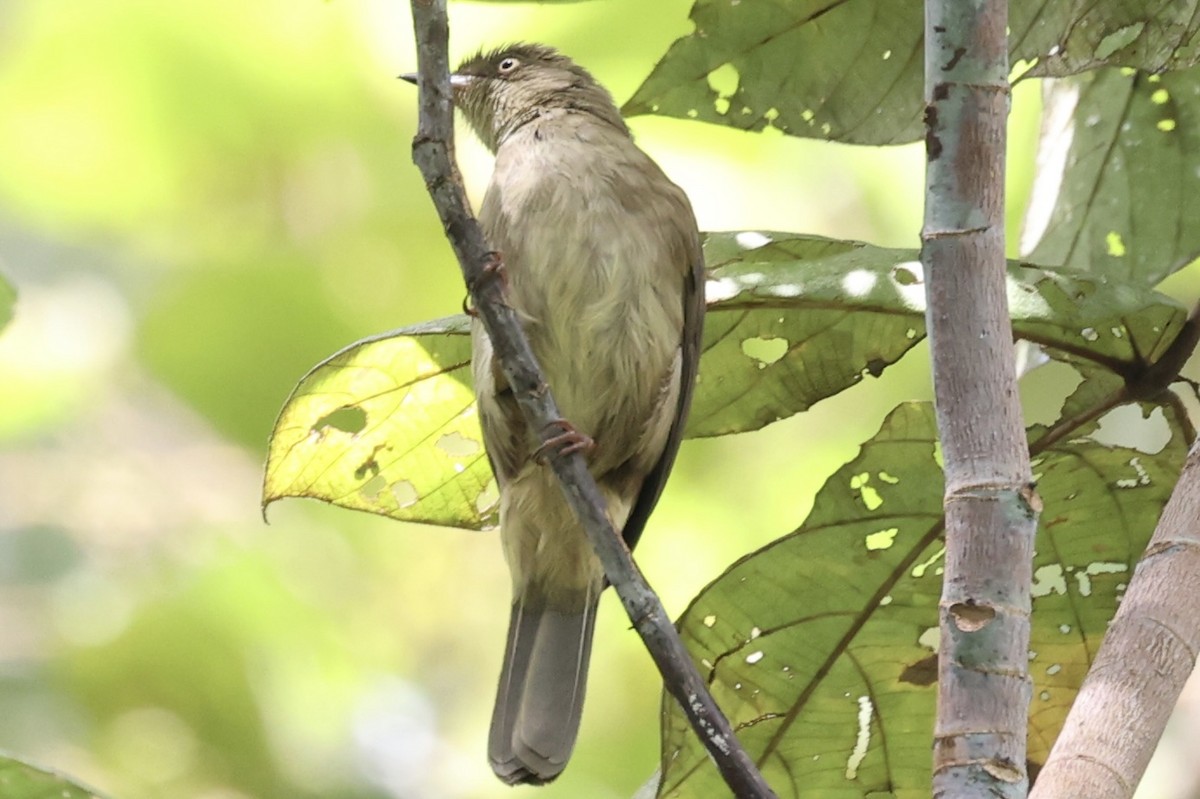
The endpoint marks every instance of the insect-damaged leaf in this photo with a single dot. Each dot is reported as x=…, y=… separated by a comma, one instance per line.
x=388, y=425
x=852, y=71
x=821, y=646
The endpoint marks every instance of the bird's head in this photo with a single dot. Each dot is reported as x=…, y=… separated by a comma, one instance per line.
x=499, y=91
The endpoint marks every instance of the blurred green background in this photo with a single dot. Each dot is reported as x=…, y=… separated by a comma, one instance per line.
x=199, y=201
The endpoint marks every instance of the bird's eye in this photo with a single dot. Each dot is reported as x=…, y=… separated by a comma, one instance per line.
x=507, y=65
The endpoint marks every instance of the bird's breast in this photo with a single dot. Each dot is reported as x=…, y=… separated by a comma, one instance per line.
x=594, y=282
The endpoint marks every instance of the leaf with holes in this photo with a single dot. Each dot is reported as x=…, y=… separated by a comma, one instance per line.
x=821, y=646
x=814, y=315
x=847, y=71
x=388, y=425
x=795, y=319
x=1122, y=167
x=1096, y=392
x=1071, y=37
x=852, y=71
x=20, y=780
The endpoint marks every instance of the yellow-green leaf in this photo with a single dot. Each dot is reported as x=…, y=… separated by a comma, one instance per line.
x=388, y=425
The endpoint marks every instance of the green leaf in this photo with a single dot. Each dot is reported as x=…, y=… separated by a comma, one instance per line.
x=1078, y=35
x=1097, y=392
x=19, y=780
x=388, y=425
x=848, y=71
x=840, y=302
x=793, y=320
x=8, y=300
x=821, y=646
x=1127, y=203
x=852, y=71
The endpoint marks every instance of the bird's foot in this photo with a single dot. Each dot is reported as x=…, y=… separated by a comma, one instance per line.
x=493, y=268
x=568, y=442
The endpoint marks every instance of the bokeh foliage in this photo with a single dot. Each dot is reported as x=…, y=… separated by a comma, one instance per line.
x=200, y=201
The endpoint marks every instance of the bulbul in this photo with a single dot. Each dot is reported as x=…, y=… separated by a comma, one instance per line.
x=604, y=268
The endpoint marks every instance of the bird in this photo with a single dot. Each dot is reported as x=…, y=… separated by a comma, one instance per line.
x=603, y=265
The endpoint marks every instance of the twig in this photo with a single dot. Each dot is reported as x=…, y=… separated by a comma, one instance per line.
x=1153, y=380
x=433, y=153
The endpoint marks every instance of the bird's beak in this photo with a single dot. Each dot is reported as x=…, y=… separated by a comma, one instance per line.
x=456, y=81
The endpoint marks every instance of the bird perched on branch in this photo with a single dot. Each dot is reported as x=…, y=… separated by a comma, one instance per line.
x=603, y=266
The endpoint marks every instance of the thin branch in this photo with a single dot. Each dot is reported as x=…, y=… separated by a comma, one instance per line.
x=433, y=153
x=1156, y=378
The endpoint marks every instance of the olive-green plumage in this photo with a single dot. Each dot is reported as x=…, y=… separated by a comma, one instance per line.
x=604, y=268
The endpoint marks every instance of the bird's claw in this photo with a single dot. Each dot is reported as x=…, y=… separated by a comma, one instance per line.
x=493, y=267
x=568, y=442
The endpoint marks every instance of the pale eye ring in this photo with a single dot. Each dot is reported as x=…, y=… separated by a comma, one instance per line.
x=507, y=65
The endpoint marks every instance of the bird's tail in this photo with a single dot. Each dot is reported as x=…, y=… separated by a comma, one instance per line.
x=540, y=698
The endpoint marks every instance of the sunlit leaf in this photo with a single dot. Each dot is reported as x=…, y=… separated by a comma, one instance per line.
x=852, y=71
x=19, y=780
x=388, y=425
x=1128, y=199
x=821, y=646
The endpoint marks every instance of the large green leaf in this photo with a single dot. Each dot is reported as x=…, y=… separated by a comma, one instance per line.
x=852, y=71
x=388, y=425
x=19, y=780
x=1129, y=197
x=848, y=71
x=821, y=646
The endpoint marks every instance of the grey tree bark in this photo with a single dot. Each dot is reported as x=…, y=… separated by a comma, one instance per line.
x=990, y=503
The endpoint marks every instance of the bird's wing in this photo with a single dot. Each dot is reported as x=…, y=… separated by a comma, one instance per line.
x=503, y=425
x=689, y=350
